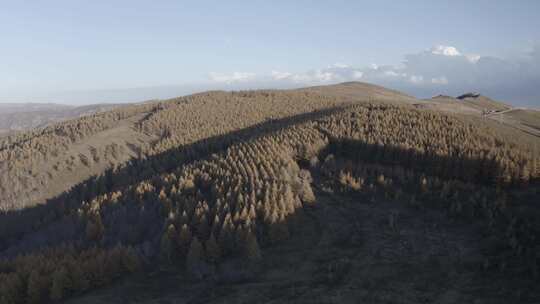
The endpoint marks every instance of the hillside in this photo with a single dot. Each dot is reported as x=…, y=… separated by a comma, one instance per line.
x=527, y=120
x=474, y=104
x=64, y=153
x=331, y=194
x=482, y=103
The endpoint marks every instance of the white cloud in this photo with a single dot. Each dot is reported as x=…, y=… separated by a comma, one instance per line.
x=473, y=58
x=339, y=65
x=439, y=70
x=391, y=73
x=416, y=79
x=276, y=75
x=445, y=50
x=439, y=80
x=357, y=74
x=232, y=78
x=323, y=76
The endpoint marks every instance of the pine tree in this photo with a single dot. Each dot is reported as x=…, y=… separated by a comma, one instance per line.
x=95, y=228
x=194, y=257
x=307, y=195
x=213, y=252
x=184, y=240
x=203, y=229
x=166, y=248
x=524, y=175
x=78, y=278
x=226, y=237
x=252, y=250
x=424, y=188
x=130, y=260
x=278, y=229
x=59, y=284
x=12, y=288
x=37, y=287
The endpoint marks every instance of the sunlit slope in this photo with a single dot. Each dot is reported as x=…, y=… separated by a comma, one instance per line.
x=40, y=164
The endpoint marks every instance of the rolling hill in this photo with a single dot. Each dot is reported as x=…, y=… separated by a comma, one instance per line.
x=332, y=194
x=474, y=104
x=469, y=103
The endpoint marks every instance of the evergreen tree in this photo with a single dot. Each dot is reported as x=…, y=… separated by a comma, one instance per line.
x=78, y=278
x=166, y=248
x=12, y=288
x=94, y=228
x=37, y=287
x=213, y=252
x=203, y=229
x=194, y=257
x=524, y=175
x=184, y=240
x=130, y=260
x=59, y=284
x=307, y=195
x=252, y=250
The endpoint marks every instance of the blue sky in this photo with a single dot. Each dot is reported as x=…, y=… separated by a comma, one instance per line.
x=113, y=51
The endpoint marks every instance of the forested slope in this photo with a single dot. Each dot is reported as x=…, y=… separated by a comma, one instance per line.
x=39, y=164
x=220, y=178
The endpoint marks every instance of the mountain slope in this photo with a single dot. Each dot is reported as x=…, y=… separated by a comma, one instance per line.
x=149, y=129
x=296, y=195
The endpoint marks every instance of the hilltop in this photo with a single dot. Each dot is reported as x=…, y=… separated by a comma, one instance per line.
x=361, y=91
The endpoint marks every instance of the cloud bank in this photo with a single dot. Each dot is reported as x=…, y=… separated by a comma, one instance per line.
x=439, y=70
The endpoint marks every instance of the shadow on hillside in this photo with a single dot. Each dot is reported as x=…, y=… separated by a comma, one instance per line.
x=465, y=169
x=15, y=224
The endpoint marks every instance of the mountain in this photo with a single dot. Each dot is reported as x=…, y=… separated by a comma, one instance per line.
x=15, y=117
x=342, y=193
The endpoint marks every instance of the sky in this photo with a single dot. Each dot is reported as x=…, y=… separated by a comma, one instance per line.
x=82, y=52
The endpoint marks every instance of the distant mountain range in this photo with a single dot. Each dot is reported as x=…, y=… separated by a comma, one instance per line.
x=16, y=117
